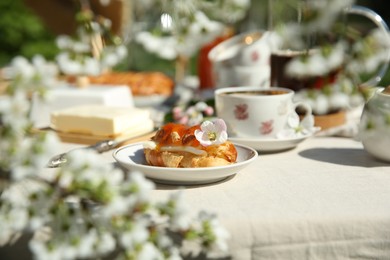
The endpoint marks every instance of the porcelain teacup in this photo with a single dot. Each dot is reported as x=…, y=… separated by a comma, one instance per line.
x=259, y=112
x=242, y=60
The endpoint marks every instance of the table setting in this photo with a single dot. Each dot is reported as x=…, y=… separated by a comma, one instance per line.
x=276, y=149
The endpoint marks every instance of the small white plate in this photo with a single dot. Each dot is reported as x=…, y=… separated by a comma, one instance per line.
x=269, y=145
x=154, y=100
x=132, y=157
x=149, y=101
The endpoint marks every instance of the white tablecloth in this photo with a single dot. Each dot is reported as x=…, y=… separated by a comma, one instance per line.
x=325, y=199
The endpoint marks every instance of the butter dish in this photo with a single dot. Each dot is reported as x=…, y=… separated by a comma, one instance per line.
x=66, y=96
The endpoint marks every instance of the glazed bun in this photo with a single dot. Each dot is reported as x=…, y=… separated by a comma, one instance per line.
x=176, y=146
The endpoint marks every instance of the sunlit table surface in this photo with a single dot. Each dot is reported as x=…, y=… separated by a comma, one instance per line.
x=325, y=199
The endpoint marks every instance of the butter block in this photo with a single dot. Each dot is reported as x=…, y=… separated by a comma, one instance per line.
x=99, y=120
x=66, y=96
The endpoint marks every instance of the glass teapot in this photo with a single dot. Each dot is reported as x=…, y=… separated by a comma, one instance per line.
x=301, y=40
x=374, y=126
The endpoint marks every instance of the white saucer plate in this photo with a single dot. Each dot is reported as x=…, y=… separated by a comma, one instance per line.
x=269, y=145
x=132, y=157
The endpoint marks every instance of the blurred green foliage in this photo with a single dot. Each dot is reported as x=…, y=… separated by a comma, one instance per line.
x=22, y=33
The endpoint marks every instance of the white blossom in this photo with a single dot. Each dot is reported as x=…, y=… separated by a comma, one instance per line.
x=13, y=220
x=118, y=205
x=325, y=19
x=86, y=208
x=41, y=250
x=121, y=51
x=137, y=235
x=180, y=218
x=68, y=252
x=65, y=179
x=67, y=65
x=143, y=185
x=315, y=63
x=321, y=105
x=106, y=243
x=86, y=247
x=221, y=234
x=201, y=106
x=64, y=42
x=91, y=67
x=149, y=251
x=38, y=221
x=198, y=31
x=20, y=66
x=78, y=57
x=191, y=247
x=81, y=47
x=110, y=59
x=289, y=33
x=338, y=100
x=227, y=11
x=211, y=132
x=296, y=128
x=336, y=58
x=13, y=110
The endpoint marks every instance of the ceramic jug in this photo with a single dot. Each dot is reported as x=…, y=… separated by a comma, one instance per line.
x=374, y=126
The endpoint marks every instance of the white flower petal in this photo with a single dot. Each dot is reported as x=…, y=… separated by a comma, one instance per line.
x=207, y=126
x=220, y=125
x=308, y=122
x=222, y=138
x=293, y=120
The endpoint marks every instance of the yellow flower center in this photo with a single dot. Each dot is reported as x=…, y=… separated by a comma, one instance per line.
x=212, y=136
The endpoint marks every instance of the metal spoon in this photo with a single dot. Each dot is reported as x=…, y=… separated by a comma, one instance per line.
x=100, y=147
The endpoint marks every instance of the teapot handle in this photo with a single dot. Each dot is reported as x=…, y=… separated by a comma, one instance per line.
x=381, y=24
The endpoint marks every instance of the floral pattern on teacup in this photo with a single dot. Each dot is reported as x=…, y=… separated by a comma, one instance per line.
x=267, y=127
x=255, y=56
x=241, y=112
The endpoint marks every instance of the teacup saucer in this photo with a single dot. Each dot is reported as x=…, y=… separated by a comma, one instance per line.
x=269, y=145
